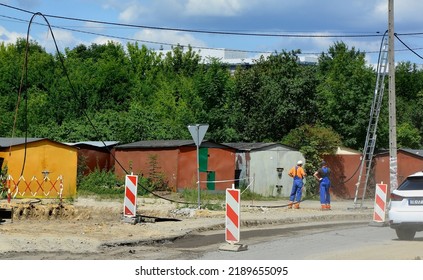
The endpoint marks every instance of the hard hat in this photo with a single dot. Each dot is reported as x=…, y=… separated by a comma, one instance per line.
x=300, y=162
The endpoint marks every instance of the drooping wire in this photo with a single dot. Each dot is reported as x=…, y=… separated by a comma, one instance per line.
x=73, y=90
x=410, y=49
x=201, y=31
x=23, y=84
x=377, y=69
x=305, y=35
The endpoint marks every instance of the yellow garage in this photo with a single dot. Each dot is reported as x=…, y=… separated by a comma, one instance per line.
x=38, y=167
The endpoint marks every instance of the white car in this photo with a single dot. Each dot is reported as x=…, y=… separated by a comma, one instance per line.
x=406, y=207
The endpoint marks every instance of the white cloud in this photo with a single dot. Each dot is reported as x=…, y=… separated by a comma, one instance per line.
x=169, y=37
x=28, y=4
x=9, y=37
x=380, y=10
x=214, y=8
x=63, y=39
x=408, y=9
x=101, y=40
x=132, y=12
x=95, y=26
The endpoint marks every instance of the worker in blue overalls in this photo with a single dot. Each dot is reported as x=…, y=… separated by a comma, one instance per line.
x=322, y=175
x=297, y=172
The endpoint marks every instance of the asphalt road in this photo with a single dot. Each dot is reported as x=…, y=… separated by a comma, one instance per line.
x=345, y=240
x=337, y=241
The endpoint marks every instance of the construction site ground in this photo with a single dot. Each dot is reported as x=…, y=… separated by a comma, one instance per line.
x=95, y=229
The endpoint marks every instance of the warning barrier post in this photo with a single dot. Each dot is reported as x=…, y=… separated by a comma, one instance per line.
x=379, y=212
x=130, y=200
x=233, y=221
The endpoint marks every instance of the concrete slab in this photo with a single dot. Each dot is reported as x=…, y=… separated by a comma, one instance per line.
x=378, y=224
x=130, y=220
x=233, y=247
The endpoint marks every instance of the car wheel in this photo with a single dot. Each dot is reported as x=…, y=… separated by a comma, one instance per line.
x=405, y=233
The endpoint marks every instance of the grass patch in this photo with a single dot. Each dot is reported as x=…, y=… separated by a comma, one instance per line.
x=104, y=185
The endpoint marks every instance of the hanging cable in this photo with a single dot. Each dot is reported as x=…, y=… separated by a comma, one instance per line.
x=377, y=69
x=73, y=90
x=201, y=31
x=410, y=49
x=23, y=84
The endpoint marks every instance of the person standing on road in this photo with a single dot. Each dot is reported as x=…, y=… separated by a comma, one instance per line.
x=297, y=172
x=322, y=175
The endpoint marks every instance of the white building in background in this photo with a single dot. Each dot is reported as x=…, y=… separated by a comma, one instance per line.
x=239, y=58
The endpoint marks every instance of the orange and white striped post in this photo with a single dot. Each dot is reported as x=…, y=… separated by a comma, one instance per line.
x=232, y=215
x=379, y=212
x=130, y=200
x=233, y=221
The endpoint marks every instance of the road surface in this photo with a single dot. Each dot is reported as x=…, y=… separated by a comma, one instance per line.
x=338, y=241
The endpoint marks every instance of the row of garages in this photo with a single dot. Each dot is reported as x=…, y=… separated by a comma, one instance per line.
x=262, y=167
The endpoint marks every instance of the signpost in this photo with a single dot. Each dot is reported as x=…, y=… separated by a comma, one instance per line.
x=197, y=132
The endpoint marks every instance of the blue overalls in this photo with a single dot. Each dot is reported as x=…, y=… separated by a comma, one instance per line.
x=297, y=188
x=324, y=186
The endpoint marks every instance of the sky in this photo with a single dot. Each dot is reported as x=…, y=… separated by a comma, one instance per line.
x=250, y=27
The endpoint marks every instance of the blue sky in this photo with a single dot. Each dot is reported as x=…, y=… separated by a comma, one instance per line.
x=304, y=24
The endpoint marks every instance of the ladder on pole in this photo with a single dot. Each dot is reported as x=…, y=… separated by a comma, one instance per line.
x=369, y=146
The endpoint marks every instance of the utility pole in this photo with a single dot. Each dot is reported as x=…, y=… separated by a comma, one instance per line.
x=393, y=166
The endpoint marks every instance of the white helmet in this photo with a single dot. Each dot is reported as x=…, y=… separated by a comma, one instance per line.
x=300, y=162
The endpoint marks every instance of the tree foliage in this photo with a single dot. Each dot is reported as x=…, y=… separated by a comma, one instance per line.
x=111, y=92
x=345, y=93
x=314, y=142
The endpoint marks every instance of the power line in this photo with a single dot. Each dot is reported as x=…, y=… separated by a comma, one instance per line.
x=131, y=39
x=205, y=32
x=164, y=43
x=202, y=31
x=410, y=49
x=73, y=90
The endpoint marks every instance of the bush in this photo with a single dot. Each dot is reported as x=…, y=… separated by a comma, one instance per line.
x=101, y=182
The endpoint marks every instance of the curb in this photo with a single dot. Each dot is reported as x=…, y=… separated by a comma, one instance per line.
x=248, y=223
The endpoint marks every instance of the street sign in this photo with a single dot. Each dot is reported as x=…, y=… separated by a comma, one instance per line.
x=197, y=132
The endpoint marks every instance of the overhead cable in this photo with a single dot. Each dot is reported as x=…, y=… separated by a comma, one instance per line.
x=305, y=35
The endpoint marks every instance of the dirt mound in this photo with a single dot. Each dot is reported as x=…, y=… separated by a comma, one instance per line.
x=30, y=210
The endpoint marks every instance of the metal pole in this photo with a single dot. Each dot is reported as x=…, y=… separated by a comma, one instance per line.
x=198, y=165
x=392, y=102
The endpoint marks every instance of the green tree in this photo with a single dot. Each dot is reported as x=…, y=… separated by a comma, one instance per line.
x=214, y=85
x=314, y=142
x=345, y=93
x=408, y=90
x=179, y=61
x=34, y=68
x=408, y=136
x=10, y=70
x=274, y=96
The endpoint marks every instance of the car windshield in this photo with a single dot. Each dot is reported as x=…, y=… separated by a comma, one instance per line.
x=412, y=183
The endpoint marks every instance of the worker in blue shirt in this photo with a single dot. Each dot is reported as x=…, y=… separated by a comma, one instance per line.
x=322, y=175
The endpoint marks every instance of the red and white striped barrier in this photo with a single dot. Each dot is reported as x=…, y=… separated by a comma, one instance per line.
x=130, y=201
x=380, y=203
x=232, y=215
